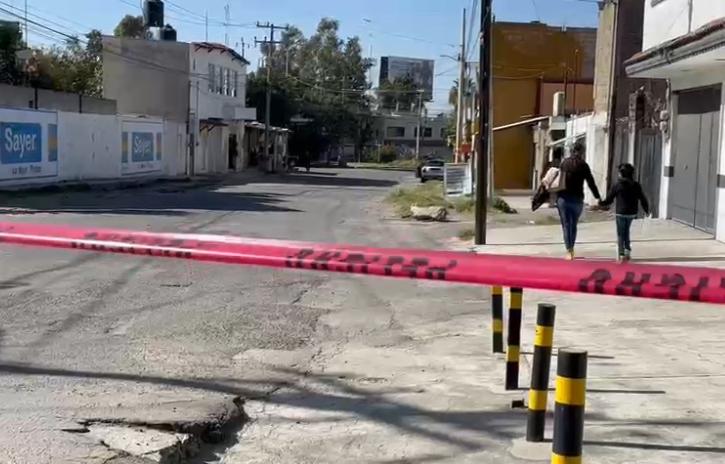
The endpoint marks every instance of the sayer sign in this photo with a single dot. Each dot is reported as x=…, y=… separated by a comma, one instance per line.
x=21, y=143
x=142, y=146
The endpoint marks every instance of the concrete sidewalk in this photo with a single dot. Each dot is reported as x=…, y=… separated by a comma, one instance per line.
x=655, y=370
x=421, y=385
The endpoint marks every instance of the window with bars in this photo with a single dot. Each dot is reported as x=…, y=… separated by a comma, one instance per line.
x=212, y=78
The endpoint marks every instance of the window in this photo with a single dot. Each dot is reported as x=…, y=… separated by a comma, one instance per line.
x=443, y=132
x=220, y=80
x=226, y=88
x=427, y=132
x=212, y=78
x=395, y=131
x=235, y=88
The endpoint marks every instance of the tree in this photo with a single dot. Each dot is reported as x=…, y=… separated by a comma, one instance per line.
x=401, y=94
x=130, y=26
x=11, y=41
x=75, y=68
x=322, y=79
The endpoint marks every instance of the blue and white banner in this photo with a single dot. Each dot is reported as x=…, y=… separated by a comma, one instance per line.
x=141, y=147
x=28, y=144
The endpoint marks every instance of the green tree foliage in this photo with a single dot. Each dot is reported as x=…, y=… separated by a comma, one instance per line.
x=130, y=26
x=401, y=94
x=77, y=67
x=11, y=41
x=322, y=79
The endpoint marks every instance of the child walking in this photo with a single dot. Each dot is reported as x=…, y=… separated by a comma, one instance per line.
x=628, y=194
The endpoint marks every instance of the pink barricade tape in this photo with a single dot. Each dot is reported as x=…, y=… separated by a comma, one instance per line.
x=603, y=277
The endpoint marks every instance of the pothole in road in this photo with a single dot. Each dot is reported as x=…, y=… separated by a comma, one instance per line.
x=195, y=442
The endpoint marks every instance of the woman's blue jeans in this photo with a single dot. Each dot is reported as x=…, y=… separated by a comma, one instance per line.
x=570, y=210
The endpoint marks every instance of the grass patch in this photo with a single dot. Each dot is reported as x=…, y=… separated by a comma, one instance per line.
x=401, y=165
x=499, y=204
x=428, y=194
x=431, y=194
x=466, y=234
x=464, y=205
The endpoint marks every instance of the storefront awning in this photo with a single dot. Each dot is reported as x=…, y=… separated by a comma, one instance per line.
x=702, y=49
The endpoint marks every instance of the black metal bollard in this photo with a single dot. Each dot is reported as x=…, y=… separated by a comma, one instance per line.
x=514, y=339
x=571, y=389
x=497, y=314
x=538, y=393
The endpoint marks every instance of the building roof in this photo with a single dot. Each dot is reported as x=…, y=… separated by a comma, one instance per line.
x=213, y=46
x=678, y=42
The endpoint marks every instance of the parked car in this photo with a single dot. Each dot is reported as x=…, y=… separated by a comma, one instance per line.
x=432, y=170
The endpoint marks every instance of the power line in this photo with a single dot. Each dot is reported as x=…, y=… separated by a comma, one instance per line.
x=124, y=56
x=536, y=10
x=471, y=35
x=22, y=13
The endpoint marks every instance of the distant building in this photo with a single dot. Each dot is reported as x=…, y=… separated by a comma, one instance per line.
x=203, y=84
x=400, y=130
x=531, y=63
x=420, y=71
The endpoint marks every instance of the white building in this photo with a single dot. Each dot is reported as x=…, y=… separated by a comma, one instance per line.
x=684, y=42
x=202, y=84
x=400, y=130
x=217, y=107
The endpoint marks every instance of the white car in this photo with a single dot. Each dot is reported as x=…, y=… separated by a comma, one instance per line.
x=432, y=170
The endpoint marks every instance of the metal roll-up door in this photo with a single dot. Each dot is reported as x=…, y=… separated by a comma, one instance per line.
x=693, y=187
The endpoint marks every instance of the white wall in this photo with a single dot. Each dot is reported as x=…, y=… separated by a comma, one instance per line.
x=593, y=128
x=206, y=104
x=89, y=147
x=720, y=207
x=668, y=19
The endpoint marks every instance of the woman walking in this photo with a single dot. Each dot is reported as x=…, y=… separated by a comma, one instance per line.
x=570, y=202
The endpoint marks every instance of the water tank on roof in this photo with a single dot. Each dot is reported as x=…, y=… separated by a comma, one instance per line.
x=168, y=33
x=153, y=13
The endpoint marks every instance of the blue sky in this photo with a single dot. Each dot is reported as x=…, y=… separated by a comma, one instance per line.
x=416, y=28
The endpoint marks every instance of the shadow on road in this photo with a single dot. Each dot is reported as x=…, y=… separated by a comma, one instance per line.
x=146, y=202
x=330, y=179
x=336, y=392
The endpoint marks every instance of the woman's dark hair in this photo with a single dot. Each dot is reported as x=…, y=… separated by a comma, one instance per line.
x=578, y=149
x=626, y=170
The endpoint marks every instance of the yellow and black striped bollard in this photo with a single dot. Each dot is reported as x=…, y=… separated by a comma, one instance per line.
x=497, y=314
x=543, y=342
x=571, y=373
x=514, y=339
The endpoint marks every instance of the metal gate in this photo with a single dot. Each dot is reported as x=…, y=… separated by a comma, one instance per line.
x=693, y=189
x=620, y=154
x=648, y=163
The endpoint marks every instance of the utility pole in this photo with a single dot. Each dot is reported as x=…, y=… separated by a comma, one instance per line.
x=206, y=26
x=244, y=46
x=268, y=104
x=227, y=20
x=420, y=120
x=484, y=129
x=461, y=90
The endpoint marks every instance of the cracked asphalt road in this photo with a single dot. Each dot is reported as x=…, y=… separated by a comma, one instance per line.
x=121, y=338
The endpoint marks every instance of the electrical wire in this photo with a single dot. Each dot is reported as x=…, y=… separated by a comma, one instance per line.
x=471, y=35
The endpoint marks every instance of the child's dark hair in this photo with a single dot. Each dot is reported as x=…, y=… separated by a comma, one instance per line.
x=626, y=170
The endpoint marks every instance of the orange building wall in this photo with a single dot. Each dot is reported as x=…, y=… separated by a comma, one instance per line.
x=529, y=61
